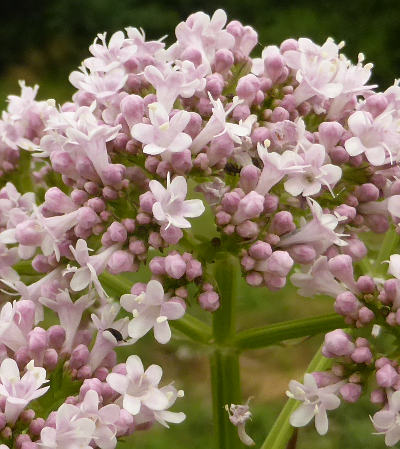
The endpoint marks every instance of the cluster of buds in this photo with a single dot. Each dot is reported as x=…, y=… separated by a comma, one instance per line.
x=289, y=159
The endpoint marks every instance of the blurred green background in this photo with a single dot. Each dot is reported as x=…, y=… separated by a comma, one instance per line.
x=42, y=41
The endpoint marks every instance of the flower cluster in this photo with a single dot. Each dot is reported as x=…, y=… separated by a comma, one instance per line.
x=286, y=161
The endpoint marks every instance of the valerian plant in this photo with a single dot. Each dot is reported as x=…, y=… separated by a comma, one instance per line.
x=290, y=158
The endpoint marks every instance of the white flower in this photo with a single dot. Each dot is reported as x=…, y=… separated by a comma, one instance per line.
x=151, y=309
x=387, y=421
x=316, y=401
x=139, y=387
x=171, y=206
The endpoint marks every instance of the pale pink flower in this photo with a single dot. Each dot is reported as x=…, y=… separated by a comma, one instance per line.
x=315, y=173
x=170, y=206
x=164, y=134
x=387, y=420
x=104, y=418
x=20, y=391
x=319, y=232
x=316, y=401
x=139, y=387
x=377, y=138
x=71, y=430
x=91, y=267
x=152, y=309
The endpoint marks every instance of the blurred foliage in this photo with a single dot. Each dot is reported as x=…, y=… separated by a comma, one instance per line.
x=42, y=41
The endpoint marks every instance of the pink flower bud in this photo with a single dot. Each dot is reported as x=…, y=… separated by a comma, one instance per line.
x=215, y=84
x=339, y=155
x=341, y=267
x=181, y=161
x=249, y=176
x=57, y=201
x=386, y=376
x=209, y=301
x=347, y=304
x=175, y=266
x=378, y=396
x=279, y=114
x=248, y=86
x=157, y=266
x=50, y=359
x=260, y=250
x=254, y=279
x=362, y=355
x=132, y=109
x=279, y=263
x=249, y=207
x=325, y=378
x=193, y=269
x=365, y=315
x=247, y=229
x=367, y=192
x=28, y=233
x=87, y=217
x=120, y=261
x=223, y=60
x=172, y=235
x=247, y=263
x=376, y=104
x=330, y=133
x=79, y=356
x=303, y=254
x=351, y=392
x=230, y=202
x=117, y=232
x=282, y=223
x=337, y=343
x=37, y=340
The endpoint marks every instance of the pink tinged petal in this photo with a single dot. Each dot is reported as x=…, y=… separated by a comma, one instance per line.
x=172, y=417
x=331, y=90
x=321, y=421
x=180, y=143
x=354, y=146
x=109, y=413
x=143, y=133
x=395, y=401
x=80, y=279
x=310, y=382
x=312, y=188
x=193, y=208
x=332, y=173
x=294, y=185
x=158, y=212
x=140, y=325
x=162, y=332
x=128, y=302
x=154, y=293
x=155, y=399
x=383, y=419
x=394, y=265
x=134, y=367
x=154, y=374
x=359, y=122
x=179, y=222
x=330, y=401
x=376, y=155
x=178, y=188
x=48, y=436
x=172, y=310
x=315, y=155
x=153, y=149
x=393, y=205
x=91, y=401
x=179, y=121
x=153, y=75
x=392, y=436
x=9, y=370
x=104, y=438
x=131, y=404
x=118, y=382
x=158, y=190
x=302, y=416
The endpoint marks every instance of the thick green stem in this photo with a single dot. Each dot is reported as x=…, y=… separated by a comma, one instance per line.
x=188, y=325
x=224, y=362
x=275, y=333
x=281, y=431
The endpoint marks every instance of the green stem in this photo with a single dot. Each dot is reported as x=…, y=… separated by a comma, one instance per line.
x=390, y=241
x=281, y=431
x=275, y=333
x=224, y=362
x=188, y=325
